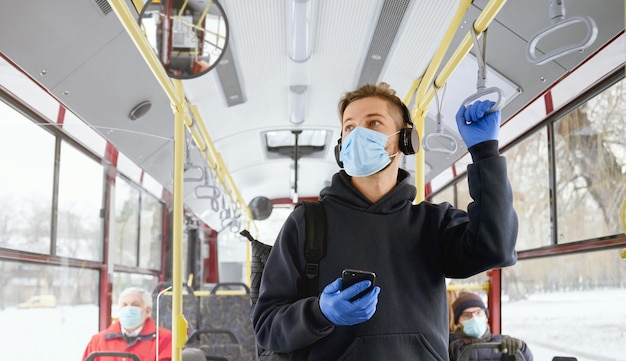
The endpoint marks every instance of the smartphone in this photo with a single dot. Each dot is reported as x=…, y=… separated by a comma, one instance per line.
x=351, y=276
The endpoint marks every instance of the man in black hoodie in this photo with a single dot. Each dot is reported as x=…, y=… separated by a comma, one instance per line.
x=373, y=225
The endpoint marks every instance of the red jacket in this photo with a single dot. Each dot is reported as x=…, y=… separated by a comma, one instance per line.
x=144, y=346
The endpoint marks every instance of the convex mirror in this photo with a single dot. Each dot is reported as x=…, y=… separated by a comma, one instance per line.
x=188, y=36
x=261, y=208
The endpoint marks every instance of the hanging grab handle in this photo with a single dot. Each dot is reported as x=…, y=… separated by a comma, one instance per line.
x=484, y=92
x=558, y=20
x=481, y=90
x=189, y=169
x=214, y=191
x=215, y=206
x=438, y=141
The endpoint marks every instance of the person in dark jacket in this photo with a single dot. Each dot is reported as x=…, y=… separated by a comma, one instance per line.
x=373, y=225
x=471, y=319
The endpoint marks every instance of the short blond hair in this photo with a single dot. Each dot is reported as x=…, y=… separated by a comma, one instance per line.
x=382, y=90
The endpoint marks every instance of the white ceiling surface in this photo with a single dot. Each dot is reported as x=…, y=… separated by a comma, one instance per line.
x=342, y=31
x=93, y=67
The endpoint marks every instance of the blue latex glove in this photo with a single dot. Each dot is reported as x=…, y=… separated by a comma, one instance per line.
x=481, y=127
x=336, y=306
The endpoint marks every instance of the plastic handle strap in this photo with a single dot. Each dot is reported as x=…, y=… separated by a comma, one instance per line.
x=481, y=90
x=438, y=141
x=192, y=169
x=558, y=20
x=484, y=92
x=213, y=196
x=225, y=213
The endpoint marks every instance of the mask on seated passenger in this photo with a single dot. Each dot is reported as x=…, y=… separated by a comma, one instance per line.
x=130, y=317
x=475, y=327
x=363, y=152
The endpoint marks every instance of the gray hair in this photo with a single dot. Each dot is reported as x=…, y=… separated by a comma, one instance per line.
x=147, y=297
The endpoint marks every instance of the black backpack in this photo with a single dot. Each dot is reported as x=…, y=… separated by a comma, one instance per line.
x=314, y=251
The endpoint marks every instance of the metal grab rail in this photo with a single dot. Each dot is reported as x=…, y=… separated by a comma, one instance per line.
x=94, y=355
x=558, y=21
x=465, y=354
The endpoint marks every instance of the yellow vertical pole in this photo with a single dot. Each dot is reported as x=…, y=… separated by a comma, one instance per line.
x=179, y=328
x=425, y=89
x=420, y=89
x=420, y=158
x=429, y=75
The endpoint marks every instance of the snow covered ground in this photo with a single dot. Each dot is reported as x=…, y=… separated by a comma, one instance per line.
x=590, y=325
x=56, y=334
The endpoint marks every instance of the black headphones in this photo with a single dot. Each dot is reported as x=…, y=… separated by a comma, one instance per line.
x=408, y=139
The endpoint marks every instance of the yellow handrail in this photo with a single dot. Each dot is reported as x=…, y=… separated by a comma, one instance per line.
x=215, y=161
x=472, y=287
x=482, y=22
x=419, y=108
x=179, y=327
x=424, y=90
x=179, y=103
x=429, y=75
x=175, y=92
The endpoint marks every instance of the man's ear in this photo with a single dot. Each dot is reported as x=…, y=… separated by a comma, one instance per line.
x=148, y=311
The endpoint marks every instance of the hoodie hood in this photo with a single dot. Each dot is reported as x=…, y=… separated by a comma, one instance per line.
x=342, y=191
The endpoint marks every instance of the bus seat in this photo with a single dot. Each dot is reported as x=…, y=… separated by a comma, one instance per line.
x=163, y=305
x=196, y=354
x=467, y=351
x=106, y=354
x=192, y=354
x=216, y=344
x=227, y=307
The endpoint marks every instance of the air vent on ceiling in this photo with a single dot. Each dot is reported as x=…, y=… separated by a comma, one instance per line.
x=103, y=6
x=229, y=79
x=389, y=21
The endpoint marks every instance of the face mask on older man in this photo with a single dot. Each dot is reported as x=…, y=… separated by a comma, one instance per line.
x=475, y=326
x=130, y=317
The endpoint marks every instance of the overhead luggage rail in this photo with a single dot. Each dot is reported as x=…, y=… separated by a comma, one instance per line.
x=558, y=20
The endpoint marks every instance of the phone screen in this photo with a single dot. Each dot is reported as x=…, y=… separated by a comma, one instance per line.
x=350, y=277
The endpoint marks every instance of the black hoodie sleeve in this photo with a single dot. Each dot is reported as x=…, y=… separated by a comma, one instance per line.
x=485, y=237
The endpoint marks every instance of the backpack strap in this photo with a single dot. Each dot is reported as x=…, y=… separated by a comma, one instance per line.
x=314, y=243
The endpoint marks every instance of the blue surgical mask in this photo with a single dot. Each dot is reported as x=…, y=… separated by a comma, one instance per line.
x=130, y=317
x=475, y=326
x=363, y=152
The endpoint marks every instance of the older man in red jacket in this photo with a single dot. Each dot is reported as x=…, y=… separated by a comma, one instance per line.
x=135, y=331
